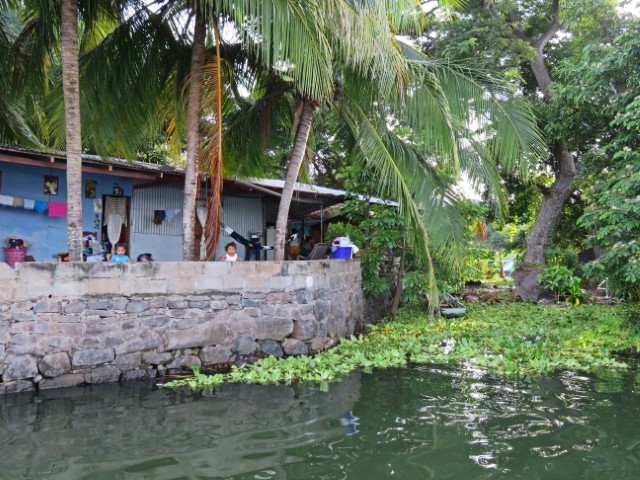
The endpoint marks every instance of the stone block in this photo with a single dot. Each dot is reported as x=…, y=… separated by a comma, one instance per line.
x=7, y=273
x=106, y=374
x=93, y=356
x=269, y=269
x=94, y=341
x=22, y=306
x=24, y=316
x=272, y=328
x=252, y=302
x=139, y=375
x=173, y=304
x=47, y=306
x=99, y=304
x=197, y=298
x=317, y=344
x=16, y=386
x=20, y=367
x=137, y=306
x=71, y=288
x=252, y=312
x=185, y=323
x=75, y=306
x=279, y=297
x=23, y=343
x=322, y=309
x=185, y=313
x=5, y=333
x=244, y=344
x=54, y=344
x=129, y=361
x=155, y=321
x=187, y=361
x=181, y=285
x=299, y=297
x=8, y=292
x=146, y=285
x=201, y=336
x=63, y=381
x=202, y=304
x=54, y=365
x=23, y=327
x=221, y=304
x=292, y=346
x=138, y=344
x=100, y=313
x=271, y=347
x=158, y=302
x=215, y=355
x=232, y=299
x=304, y=329
x=153, y=358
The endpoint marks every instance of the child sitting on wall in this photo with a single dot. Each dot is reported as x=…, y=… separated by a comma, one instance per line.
x=231, y=255
x=120, y=255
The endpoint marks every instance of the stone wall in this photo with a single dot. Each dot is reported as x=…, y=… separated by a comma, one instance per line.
x=68, y=324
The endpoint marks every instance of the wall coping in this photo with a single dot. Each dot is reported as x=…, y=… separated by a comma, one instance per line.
x=76, y=279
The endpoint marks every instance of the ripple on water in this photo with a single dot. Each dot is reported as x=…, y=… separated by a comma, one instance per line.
x=428, y=422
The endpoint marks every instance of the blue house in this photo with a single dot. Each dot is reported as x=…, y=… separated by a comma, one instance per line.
x=139, y=204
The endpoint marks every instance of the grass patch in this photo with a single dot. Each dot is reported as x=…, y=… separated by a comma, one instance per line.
x=508, y=338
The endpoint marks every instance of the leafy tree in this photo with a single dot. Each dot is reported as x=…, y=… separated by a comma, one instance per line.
x=524, y=37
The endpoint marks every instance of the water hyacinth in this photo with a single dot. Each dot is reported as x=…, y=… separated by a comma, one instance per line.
x=513, y=339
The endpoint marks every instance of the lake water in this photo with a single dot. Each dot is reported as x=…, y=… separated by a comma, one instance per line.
x=411, y=423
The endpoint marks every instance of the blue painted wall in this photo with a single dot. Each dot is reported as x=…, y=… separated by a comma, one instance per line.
x=47, y=235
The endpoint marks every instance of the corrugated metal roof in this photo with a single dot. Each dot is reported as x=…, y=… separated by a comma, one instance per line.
x=302, y=188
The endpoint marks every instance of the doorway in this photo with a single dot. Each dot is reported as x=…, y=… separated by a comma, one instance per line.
x=116, y=213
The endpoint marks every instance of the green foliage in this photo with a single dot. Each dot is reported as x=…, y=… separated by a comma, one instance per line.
x=561, y=281
x=513, y=338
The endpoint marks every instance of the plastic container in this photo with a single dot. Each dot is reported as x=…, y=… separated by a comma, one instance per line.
x=14, y=255
x=343, y=253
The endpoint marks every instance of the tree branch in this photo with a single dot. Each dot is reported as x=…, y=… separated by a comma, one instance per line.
x=541, y=42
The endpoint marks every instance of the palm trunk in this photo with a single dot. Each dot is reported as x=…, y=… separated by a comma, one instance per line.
x=193, y=140
x=71, y=89
x=297, y=155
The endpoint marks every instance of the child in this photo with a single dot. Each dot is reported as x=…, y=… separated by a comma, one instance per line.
x=121, y=254
x=231, y=255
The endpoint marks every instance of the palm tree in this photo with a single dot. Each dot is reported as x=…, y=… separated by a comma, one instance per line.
x=193, y=137
x=440, y=104
x=71, y=86
x=47, y=29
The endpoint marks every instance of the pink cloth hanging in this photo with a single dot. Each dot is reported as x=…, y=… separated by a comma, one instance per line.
x=57, y=209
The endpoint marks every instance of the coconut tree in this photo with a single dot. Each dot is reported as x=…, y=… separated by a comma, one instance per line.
x=71, y=87
x=50, y=40
x=440, y=104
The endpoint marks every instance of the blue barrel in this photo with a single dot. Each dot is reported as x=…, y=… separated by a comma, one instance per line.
x=342, y=253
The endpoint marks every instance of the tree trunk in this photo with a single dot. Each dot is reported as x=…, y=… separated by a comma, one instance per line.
x=297, y=155
x=397, y=294
x=526, y=275
x=193, y=140
x=71, y=90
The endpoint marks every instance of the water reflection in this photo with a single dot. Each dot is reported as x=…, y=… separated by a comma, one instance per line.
x=412, y=423
x=138, y=431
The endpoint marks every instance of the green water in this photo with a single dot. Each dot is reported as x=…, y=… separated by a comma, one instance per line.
x=412, y=423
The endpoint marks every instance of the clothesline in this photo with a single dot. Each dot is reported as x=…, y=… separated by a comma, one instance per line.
x=55, y=209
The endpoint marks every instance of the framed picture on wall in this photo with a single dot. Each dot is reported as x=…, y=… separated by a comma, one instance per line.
x=50, y=185
x=90, y=188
